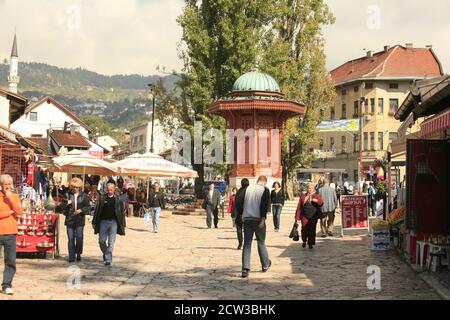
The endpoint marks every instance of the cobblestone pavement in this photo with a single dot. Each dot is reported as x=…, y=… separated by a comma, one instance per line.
x=187, y=261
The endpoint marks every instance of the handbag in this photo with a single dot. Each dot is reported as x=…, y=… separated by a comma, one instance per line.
x=294, y=232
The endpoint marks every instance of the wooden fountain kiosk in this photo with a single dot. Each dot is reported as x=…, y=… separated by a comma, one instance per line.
x=256, y=102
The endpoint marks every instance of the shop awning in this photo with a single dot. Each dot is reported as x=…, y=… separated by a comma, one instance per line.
x=436, y=123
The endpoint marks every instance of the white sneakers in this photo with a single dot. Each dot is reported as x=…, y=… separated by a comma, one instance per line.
x=8, y=291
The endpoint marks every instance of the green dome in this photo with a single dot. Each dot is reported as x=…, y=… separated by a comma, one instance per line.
x=256, y=81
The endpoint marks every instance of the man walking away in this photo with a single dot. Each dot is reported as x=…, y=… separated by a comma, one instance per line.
x=256, y=205
x=210, y=204
x=330, y=203
x=155, y=203
x=108, y=221
x=238, y=209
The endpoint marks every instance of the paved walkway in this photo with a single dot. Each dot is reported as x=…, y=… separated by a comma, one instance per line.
x=187, y=261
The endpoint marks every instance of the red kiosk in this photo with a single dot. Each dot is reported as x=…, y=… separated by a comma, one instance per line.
x=257, y=106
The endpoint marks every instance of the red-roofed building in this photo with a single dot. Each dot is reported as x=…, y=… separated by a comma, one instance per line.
x=371, y=88
x=47, y=113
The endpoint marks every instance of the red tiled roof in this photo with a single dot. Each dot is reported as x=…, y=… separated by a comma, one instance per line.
x=41, y=143
x=15, y=95
x=66, y=139
x=396, y=62
x=60, y=106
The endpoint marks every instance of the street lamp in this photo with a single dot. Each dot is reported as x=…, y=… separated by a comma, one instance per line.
x=152, y=90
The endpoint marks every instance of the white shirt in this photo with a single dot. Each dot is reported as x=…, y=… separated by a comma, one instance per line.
x=75, y=202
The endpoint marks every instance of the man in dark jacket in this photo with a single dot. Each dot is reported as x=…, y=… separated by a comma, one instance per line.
x=156, y=202
x=210, y=204
x=238, y=208
x=108, y=221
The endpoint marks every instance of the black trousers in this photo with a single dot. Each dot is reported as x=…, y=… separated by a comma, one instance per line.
x=309, y=230
x=239, y=233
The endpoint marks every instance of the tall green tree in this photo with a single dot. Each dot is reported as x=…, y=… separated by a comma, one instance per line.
x=294, y=56
x=221, y=40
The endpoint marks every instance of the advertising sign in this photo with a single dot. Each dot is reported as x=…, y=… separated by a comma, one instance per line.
x=339, y=125
x=354, y=212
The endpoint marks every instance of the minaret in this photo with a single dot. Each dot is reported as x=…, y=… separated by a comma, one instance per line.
x=13, y=78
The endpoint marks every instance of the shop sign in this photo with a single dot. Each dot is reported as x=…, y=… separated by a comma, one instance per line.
x=354, y=212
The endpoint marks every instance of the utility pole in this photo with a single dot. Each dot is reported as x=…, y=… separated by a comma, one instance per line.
x=361, y=123
x=152, y=90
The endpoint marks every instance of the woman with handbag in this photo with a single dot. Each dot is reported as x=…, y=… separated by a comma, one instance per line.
x=75, y=206
x=308, y=212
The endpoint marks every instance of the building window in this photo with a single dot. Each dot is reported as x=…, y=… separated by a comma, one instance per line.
x=393, y=85
x=355, y=109
x=380, y=105
x=393, y=136
x=344, y=144
x=372, y=105
x=332, y=113
x=33, y=116
x=366, y=140
x=344, y=92
x=321, y=144
x=332, y=143
x=355, y=143
x=380, y=141
x=344, y=111
x=372, y=141
x=366, y=106
x=393, y=106
x=141, y=140
x=369, y=85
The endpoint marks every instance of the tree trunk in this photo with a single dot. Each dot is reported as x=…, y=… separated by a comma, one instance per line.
x=284, y=181
x=199, y=182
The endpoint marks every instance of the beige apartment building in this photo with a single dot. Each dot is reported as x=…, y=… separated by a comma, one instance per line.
x=371, y=88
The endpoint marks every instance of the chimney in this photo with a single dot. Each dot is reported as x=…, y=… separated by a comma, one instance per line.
x=369, y=54
x=386, y=48
x=409, y=46
x=74, y=129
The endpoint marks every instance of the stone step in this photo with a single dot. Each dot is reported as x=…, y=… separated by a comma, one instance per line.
x=188, y=213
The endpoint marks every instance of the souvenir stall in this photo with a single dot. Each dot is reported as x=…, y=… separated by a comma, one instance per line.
x=38, y=228
x=425, y=232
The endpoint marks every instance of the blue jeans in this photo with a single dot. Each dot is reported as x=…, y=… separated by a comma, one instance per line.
x=251, y=228
x=108, y=232
x=8, y=242
x=75, y=241
x=276, y=211
x=155, y=213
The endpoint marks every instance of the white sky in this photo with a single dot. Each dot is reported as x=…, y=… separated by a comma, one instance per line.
x=134, y=36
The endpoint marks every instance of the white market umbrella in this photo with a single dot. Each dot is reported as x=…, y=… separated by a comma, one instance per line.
x=79, y=162
x=152, y=165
